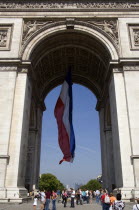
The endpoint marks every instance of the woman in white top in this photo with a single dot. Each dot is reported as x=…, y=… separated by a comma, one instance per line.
x=43, y=200
x=72, y=197
x=35, y=202
x=136, y=206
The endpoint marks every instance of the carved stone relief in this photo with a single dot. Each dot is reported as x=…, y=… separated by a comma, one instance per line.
x=64, y=5
x=108, y=26
x=5, y=37
x=32, y=26
x=134, y=36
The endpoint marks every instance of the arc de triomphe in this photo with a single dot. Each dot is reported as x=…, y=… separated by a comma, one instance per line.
x=38, y=40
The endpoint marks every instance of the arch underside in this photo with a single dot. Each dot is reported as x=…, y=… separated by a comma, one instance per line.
x=88, y=58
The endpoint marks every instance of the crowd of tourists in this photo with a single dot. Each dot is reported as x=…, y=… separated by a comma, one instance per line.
x=80, y=197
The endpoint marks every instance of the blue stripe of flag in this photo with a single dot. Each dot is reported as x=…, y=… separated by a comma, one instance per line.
x=72, y=136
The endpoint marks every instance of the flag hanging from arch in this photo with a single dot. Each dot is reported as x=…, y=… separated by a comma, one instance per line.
x=63, y=114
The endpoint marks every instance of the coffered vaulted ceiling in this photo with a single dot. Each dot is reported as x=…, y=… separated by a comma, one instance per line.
x=88, y=58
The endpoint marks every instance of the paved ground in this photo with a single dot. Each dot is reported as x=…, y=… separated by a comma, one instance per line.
x=28, y=206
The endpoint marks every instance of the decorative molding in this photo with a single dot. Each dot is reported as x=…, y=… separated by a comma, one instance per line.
x=8, y=68
x=131, y=68
x=108, y=26
x=134, y=36
x=5, y=36
x=66, y=5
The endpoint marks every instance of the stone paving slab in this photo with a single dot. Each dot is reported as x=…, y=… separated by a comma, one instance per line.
x=29, y=206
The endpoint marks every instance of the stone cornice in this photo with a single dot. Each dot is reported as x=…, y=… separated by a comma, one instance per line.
x=4, y=156
x=60, y=4
x=125, y=64
x=134, y=156
x=12, y=61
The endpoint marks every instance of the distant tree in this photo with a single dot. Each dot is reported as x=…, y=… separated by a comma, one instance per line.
x=50, y=182
x=83, y=187
x=93, y=184
x=61, y=186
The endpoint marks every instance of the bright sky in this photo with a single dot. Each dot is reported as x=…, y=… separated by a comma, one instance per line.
x=87, y=162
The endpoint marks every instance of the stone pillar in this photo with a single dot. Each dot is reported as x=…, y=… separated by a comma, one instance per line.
x=110, y=159
x=37, y=148
x=103, y=149
x=7, y=88
x=15, y=174
x=34, y=145
x=108, y=172
x=124, y=174
x=30, y=158
x=131, y=79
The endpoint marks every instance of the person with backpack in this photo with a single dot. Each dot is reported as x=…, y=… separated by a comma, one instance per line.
x=136, y=206
x=105, y=199
x=112, y=200
x=118, y=204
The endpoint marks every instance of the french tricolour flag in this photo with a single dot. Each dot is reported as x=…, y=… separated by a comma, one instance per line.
x=63, y=114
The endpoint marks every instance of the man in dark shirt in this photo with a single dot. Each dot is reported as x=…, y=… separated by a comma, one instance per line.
x=48, y=195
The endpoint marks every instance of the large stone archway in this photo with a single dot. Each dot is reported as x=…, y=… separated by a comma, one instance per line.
x=50, y=59
x=36, y=50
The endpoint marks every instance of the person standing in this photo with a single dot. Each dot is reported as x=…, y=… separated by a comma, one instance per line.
x=48, y=197
x=42, y=198
x=81, y=199
x=118, y=204
x=87, y=196
x=54, y=197
x=65, y=195
x=105, y=200
x=35, y=202
x=112, y=200
x=78, y=197
x=136, y=206
x=91, y=197
x=84, y=196
x=59, y=195
x=97, y=194
x=72, y=198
